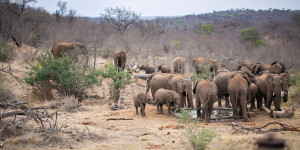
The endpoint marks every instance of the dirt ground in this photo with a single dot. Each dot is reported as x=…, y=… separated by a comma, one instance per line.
x=92, y=128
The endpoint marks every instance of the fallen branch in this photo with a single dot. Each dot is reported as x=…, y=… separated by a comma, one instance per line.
x=119, y=119
x=284, y=127
x=142, y=76
x=280, y=114
x=8, y=70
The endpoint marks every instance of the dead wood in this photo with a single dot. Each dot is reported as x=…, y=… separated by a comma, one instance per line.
x=119, y=119
x=142, y=76
x=9, y=71
x=280, y=114
x=284, y=127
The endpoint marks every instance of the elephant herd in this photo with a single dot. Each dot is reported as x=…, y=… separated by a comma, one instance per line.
x=251, y=81
x=246, y=85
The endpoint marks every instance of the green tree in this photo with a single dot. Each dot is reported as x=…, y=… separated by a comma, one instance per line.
x=62, y=75
x=120, y=80
x=252, y=36
x=208, y=28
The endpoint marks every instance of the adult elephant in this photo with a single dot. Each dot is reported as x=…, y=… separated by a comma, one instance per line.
x=272, y=87
x=157, y=81
x=164, y=69
x=199, y=62
x=245, y=64
x=120, y=59
x=206, y=95
x=183, y=86
x=277, y=68
x=168, y=97
x=148, y=68
x=221, y=80
x=252, y=92
x=238, y=85
x=179, y=65
x=70, y=49
x=259, y=68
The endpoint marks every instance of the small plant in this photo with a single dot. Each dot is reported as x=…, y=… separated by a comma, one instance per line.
x=295, y=81
x=120, y=80
x=62, y=75
x=176, y=43
x=184, y=117
x=6, y=51
x=252, y=36
x=259, y=43
x=208, y=28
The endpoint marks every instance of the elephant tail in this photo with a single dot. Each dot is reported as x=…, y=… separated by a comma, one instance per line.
x=236, y=97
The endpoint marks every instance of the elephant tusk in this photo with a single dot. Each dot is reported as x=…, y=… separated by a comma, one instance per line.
x=273, y=93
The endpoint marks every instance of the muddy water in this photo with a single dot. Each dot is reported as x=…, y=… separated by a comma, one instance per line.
x=216, y=113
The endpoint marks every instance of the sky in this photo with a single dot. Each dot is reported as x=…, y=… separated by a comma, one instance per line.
x=93, y=8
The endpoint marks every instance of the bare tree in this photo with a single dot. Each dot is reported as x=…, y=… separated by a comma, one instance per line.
x=120, y=18
x=62, y=10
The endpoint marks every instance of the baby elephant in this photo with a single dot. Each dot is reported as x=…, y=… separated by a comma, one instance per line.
x=148, y=68
x=206, y=95
x=169, y=97
x=140, y=100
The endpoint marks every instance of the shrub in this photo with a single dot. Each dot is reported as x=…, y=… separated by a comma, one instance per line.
x=6, y=51
x=252, y=36
x=295, y=81
x=176, y=43
x=205, y=68
x=62, y=75
x=120, y=80
x=208, y=28
x=2, y=87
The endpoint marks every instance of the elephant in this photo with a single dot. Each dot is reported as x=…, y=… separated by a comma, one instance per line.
x=199, y=61
x=120, y=59
x=277, y=68
x=179, y=65
x=164, y=69
x=168, y=97
x=148, y=68
x=251, y=95
x=221, y=80
x=238, y=85
x=71, y=49
x=183, y=86
x=206, y=95
x=140, y=100
x=272, y=87
x=258, y=68
x=245, y=64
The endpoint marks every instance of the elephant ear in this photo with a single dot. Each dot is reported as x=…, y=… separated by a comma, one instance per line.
x=256, y=70
x=269, y=80
x=170, y=79
x=180, y=85
x=195, y=86
x=247, y=79
x=169, y=96
x=283, y=67
x=285, y=81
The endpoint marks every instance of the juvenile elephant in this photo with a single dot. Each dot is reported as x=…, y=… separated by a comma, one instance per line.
x=140, y=100
x=164, y=69
x=120, y=59
x=198, y=63
x=183, y=86
x=221, y=80
x=258, y=68
x=277, y=68
x=252, y=92
x=168, y=97
x=272, y=87
x=71, y=49
x=238, y=87
x=179, y=65
x=206, y=95
x=148, y=68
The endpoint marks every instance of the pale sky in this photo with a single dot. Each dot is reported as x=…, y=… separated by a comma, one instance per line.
x=93, y=8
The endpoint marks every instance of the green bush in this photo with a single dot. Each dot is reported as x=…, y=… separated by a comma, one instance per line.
x=62, y=75
x=197, y=137
x=252, y=36
x=205, y=68
x=176, y=43
x=120, y=80
x=208, y=28
x=6, y=51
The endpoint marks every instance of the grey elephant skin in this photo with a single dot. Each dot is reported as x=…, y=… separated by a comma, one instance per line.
x=120, y=59
x=198, y=61
x=69, y=48
x=179, y=65
x=270, y=87
x=183, y=86
x=164, y=69
x=148, y=68
x=221, y=80
x=206, y=96
x=140, y=100
x=251, y=96
x=168, y=97
x=238, y=87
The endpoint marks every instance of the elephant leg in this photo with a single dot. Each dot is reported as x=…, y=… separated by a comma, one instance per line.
x=227, y=101
x=206, y=118
x=198, y=105
x=158, y=111
x=234, y=106
x=190, y=100
x=277, y=103
x=161, y=109
x=259, y=101
x=219, y=101
x=252, y=106
x=143, y=111
x=169, y=110
x=136, y=109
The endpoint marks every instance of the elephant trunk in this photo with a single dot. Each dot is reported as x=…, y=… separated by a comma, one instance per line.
x=190, y=99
